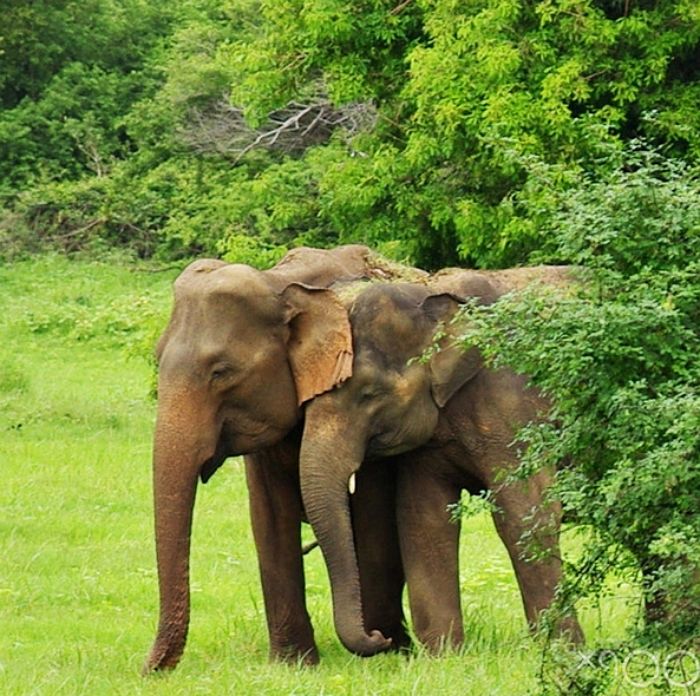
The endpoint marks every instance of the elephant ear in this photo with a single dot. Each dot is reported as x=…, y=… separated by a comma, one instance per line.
x=320, y=339
x=451, y=367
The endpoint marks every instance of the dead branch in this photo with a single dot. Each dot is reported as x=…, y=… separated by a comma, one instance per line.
x=221, y=127
x=401, y=7
x=77, y=231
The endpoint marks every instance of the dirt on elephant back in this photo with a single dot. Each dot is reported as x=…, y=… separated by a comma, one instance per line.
x=505, y=280
x=350, y=262
x=393, y=271
x=516, y=279
x=489, y=285
x=379, y=270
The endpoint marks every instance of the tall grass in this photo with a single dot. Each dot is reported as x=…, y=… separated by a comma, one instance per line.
x=78, y=595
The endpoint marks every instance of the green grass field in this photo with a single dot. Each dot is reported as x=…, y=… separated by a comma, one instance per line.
x=78, y=594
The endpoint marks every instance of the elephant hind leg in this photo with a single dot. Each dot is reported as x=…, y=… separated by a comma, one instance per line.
x=430, y=548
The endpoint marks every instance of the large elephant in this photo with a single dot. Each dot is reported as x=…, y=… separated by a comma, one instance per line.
x=243, y=351
x=447, y=425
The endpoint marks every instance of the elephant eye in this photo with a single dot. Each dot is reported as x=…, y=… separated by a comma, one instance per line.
x=368, y=393
x=220, y=372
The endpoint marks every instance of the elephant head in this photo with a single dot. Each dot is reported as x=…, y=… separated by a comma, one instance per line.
x=242, y=351
x=390, y=405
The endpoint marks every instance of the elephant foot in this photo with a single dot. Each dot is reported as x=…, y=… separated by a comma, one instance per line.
x=400, y=640
x=295, y=655
x=441, y=638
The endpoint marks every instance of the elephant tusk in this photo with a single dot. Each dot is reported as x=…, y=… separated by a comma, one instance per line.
x=351, y=483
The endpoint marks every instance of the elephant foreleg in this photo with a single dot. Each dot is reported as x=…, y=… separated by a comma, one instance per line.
x=430, y=548
x=378, y=555
x=276, y=512
x=522, y=515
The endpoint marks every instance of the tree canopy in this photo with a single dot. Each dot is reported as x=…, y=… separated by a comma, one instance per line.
x=416, y=126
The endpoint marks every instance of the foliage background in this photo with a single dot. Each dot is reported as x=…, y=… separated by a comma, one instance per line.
x=137, y=125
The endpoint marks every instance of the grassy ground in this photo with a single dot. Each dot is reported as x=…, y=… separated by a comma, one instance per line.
x=78, y=597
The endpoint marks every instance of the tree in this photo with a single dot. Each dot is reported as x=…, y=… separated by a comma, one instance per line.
x=38, y=39
x=418, y=126
x=468, y=95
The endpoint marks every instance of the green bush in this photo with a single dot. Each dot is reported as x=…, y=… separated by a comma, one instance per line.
x=439, y=119
x=619, y=358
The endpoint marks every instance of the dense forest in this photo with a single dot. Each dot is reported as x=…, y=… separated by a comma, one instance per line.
x=483, y=133
x=436, y=131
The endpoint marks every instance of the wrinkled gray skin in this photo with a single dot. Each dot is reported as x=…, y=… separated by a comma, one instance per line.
x=447, y=425
x=243, y=350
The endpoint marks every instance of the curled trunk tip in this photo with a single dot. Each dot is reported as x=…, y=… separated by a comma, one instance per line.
x=365, y=644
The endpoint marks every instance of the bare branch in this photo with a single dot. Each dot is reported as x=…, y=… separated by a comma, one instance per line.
x=401, y=7
x=222, y=128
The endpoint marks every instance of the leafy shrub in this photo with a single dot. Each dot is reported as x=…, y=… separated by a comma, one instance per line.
x=618, y=357
x=461, y=106
x=121, y=321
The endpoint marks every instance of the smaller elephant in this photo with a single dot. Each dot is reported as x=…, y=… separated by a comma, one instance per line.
x=447, y=425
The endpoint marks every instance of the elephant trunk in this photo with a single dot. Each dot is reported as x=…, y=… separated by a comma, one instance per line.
x=326, y=464
x=175, y=470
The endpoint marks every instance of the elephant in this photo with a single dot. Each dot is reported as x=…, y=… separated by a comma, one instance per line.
x=447, y=424
x=243, y=351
